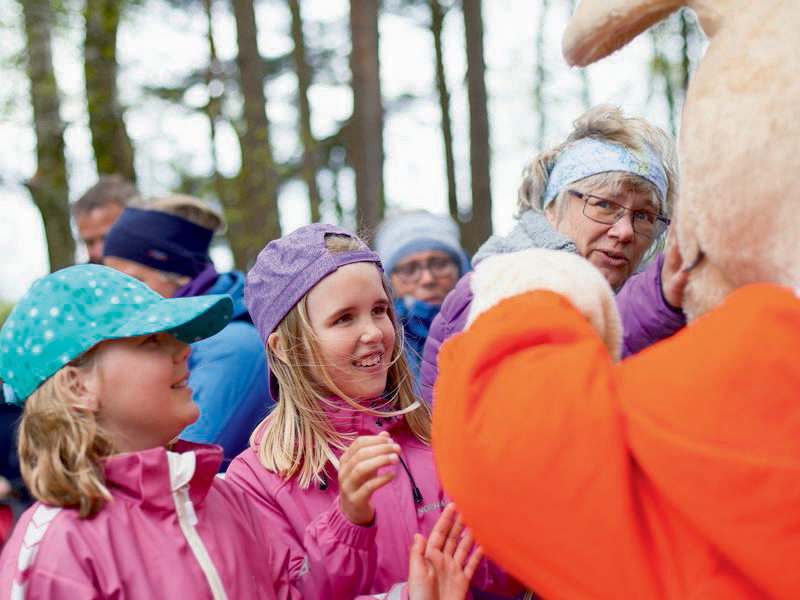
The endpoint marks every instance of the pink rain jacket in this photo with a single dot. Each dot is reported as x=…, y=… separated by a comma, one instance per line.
x=171, y=530
x=332, y=558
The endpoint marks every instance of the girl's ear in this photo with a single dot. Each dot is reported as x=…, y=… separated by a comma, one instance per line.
x=82, y=386
x=274, y=343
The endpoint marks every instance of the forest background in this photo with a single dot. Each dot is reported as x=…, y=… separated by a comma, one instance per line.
x=282, y=112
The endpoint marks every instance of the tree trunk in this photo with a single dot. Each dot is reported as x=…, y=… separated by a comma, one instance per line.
x=661, y=67
x=479, y=227
x=583, y=73
x=303, y=70
x=437, y=24
x=541, y=76
x=112, y=147
x=48, y=186
x=212, y=108
x=253, y=218
x=686, y=63
x=365, y=145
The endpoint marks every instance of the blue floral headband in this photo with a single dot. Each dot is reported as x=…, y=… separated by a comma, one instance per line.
x=590, y=156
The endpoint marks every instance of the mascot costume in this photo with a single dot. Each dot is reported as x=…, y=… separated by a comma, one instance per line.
x=674, y=474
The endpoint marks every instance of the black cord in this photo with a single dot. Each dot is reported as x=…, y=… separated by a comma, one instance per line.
x=415, y=493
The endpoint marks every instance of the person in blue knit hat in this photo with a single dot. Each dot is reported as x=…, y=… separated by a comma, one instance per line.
x=422, y=254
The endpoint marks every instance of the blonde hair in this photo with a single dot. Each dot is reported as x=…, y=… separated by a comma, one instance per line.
x=186, y=207
x=605, y=122
x=190, y=209
x=61, y=446
x=298, y=440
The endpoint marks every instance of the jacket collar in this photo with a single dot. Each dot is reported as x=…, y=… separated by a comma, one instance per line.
x=146, y=478
x=345, y=419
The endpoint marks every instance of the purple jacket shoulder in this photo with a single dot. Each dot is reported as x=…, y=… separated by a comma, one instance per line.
x=646, y=319
x=451, y=319
x=646, y=316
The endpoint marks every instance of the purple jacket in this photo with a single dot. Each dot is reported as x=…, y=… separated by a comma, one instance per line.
x=204, y=540
x=332, y=558
x=646, y=319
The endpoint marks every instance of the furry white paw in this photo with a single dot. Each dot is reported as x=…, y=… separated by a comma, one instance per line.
x=505, y=275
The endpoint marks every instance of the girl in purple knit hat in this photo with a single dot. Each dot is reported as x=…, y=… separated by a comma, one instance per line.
x=342, y=468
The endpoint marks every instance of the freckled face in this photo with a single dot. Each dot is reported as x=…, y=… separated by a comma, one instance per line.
x=348, y=311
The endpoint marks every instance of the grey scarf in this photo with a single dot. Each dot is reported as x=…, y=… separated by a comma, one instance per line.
x=532, y=231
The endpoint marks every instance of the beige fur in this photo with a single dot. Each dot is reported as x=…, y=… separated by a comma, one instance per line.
x=739, y=137
x=504, y=275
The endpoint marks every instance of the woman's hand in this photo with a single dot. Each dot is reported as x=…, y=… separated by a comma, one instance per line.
x=358, y=474
x=442, y=568
x=673, y=277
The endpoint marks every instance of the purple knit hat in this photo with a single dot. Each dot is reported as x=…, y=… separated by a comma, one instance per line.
x=289, y=267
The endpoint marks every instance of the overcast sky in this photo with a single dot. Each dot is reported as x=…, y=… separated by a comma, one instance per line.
x=414, y=172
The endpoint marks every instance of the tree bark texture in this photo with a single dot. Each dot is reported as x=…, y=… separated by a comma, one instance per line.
x=310, y=149
x=253, y=218
x=212, y=108
x=479, y=227
x=112, y=146
x=48, y=186
x=365, y=145
x=541, y=76
x=437, y=24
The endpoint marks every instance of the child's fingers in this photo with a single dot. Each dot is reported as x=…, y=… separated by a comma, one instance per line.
x=438, y=535
x=361, y=449
x=465, y=545
x=417, y=547
x=473, y=562
x=355, y=501
x=364, y=465
x=363, y=493
x=453, y=536
x=365, y=440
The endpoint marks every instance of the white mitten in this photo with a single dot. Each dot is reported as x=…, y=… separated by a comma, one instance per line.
x=505, y=275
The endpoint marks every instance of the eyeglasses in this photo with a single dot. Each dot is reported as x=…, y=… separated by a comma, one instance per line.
x=439, y=266
x=608, y=212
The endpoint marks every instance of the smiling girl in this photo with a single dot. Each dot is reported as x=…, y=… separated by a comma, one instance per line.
x=125, y=509
x=342, y=469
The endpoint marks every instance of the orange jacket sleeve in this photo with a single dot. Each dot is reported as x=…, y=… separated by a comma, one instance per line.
x=674, y=474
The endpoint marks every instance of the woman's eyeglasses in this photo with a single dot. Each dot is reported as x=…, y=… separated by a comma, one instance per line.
x=438, y=266
x=609, y=212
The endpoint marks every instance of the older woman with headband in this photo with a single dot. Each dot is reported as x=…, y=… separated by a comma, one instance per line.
x=606, y=193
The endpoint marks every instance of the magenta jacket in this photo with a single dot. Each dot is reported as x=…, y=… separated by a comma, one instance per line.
x=171, y=530
x=646, y=319
x=334, y=559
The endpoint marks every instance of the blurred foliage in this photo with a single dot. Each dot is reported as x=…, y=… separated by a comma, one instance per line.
x=5, y=310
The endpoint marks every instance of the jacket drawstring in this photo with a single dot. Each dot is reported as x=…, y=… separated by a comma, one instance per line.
x=415, y=493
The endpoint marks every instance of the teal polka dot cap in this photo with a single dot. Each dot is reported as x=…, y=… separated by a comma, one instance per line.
x=67, y=312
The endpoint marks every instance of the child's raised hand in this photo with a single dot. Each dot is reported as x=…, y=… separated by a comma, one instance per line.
x=442, y=568
x=358, y=474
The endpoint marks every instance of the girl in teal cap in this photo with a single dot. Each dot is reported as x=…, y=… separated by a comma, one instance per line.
x=125, y=509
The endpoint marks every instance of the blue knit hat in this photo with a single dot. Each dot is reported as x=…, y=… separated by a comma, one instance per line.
x=419, y=231
x=68, y=312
